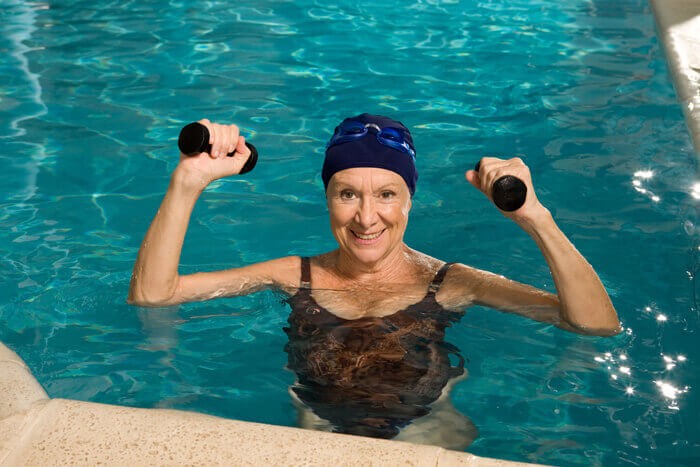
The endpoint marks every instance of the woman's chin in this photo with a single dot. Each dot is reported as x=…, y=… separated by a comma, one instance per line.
x=368, y=255
x=367, y=251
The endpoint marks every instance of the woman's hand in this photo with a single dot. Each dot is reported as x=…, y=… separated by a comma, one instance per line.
x=196, y=172
x=491, y=169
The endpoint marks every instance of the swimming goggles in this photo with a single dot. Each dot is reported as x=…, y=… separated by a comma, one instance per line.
x=352, y=130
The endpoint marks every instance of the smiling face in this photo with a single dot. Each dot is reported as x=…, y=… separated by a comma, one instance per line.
x=368, y=212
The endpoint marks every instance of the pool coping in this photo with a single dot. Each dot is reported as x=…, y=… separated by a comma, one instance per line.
x=38, y=430
x=678, y=26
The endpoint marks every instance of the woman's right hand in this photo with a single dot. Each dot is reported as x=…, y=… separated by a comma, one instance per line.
x=196, y=172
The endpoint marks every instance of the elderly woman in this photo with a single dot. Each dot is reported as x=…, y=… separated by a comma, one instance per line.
x=367, y=322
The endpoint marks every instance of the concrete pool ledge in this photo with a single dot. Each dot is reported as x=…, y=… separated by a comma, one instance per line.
x=678, y=24
x=37, y=430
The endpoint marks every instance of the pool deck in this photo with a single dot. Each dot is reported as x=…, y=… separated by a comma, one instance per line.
x=678, y=26
x=37, y=430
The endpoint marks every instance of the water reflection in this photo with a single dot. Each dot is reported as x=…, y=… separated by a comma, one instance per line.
x=669, y=391
x=695, y=190
x=620, y=368
x=640, y=177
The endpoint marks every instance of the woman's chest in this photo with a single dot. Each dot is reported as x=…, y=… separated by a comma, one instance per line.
x=357, y=304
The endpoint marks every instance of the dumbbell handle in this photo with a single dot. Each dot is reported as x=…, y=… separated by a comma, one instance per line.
x=194, y=139
x=508, y=192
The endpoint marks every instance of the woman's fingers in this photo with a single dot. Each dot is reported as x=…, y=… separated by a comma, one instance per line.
x=234, y=139
x=472, y=177
x=492, y=168
x=217, y=140
x=241, y=156
x=225, y=140
x=229, y=151
x=226, y=166
x=222, y=138
x=241, y=148
x=226, y=133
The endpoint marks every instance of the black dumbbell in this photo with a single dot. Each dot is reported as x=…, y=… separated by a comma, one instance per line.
x=508, y=192
x=194, y=139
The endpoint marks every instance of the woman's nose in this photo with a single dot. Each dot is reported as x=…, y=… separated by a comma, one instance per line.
x=366, y=215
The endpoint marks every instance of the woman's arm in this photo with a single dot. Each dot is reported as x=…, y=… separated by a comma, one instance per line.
x=582, y=303
x=155, y=280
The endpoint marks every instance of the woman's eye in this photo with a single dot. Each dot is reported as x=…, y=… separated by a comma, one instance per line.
x=388, y=194
x=347, y=194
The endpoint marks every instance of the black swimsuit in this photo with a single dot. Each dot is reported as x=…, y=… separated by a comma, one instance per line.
x=370, y=376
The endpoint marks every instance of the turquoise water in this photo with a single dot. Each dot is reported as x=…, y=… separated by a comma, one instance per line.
x=91, y=101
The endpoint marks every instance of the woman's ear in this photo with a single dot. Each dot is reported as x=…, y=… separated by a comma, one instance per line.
x=410, y=205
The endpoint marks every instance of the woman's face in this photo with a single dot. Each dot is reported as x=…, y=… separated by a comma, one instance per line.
x=368, y=211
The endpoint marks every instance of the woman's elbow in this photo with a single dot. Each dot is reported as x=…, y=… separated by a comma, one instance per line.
x=150, y=299
x=595, y=319
x=607, y=331
x=149, y=294
x=140, y=300
x=599, y=329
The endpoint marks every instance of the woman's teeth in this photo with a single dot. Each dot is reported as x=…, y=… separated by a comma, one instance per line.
x=367, y=236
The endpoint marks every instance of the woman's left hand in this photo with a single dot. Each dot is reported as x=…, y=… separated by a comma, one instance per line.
x=491, y=169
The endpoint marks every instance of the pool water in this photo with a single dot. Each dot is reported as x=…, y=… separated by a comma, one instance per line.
x=92, y=96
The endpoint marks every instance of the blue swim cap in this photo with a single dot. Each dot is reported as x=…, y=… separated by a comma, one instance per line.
x=371, y=141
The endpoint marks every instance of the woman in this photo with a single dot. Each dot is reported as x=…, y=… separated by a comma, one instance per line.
x=366, y=334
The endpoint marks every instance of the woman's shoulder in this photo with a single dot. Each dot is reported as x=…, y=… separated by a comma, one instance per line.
x=461, y=283
x=286, y=271
x=427, y=264
x=457, y=271
x=283, y=271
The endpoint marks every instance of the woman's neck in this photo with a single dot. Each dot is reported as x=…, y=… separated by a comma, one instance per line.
x=393, y=267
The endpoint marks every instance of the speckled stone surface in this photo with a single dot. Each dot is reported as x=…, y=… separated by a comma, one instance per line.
x=71, y=432
x=65, y=432
x=18, y=388
x=36, y=430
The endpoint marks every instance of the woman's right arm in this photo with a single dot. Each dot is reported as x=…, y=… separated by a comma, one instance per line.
x=155, y=280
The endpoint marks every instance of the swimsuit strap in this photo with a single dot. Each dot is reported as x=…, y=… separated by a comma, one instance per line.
x=305, y=273
x=437, y=280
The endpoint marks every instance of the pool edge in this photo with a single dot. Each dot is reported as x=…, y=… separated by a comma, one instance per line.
x=678, y=26
x=37, y=430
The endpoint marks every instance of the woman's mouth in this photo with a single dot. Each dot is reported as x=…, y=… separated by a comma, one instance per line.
x=367, y=238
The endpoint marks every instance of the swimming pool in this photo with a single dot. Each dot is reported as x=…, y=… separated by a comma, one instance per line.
x=93, y=98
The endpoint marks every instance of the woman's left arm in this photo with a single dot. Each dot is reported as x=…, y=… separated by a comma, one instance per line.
x=583, y=301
